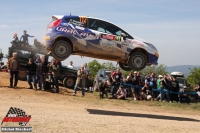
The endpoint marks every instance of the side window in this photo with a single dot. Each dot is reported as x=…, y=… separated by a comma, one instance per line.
x=98, y=25
x=78, y=21
x=106, y=27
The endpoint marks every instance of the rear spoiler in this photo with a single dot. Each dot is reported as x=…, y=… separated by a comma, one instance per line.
x=55, y=17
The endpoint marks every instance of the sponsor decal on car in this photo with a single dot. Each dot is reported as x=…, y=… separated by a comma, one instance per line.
x=77, y=23
x=65, y=29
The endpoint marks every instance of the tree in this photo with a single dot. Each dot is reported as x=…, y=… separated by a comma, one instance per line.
x=194, y=76
x=94, y=67
x=108, y=65
x=158, y=70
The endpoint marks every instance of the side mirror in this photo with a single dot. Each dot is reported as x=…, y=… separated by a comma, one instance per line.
x=101, y=75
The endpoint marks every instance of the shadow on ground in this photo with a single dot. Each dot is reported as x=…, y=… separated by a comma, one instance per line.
x=114, y=113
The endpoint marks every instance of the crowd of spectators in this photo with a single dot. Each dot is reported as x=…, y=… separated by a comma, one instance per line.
x=134, y=85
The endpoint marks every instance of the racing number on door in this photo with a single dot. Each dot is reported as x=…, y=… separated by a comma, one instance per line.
x=83, y=19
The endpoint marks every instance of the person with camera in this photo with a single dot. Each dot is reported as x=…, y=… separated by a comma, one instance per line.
x=116, y=78
x=129, y=80
x=55, y=69
x=31, y=74
x=166, y=86
x=147, y=92
x=174, y=88
x=81, y=80
x=102, y=88
x=39, y=71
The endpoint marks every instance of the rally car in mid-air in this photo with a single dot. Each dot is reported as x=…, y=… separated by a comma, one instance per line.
x=97, y=38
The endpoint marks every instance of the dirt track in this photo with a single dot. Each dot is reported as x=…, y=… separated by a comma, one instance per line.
x=62, y=113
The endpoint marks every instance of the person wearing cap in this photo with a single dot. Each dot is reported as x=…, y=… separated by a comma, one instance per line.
x=183, y=95
x=159, y=87
x=24, y=38
x=121, y=93
x=15, y=39
x=147, y=92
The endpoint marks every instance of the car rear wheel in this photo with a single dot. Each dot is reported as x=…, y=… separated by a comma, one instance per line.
x=137, y=61
x=124, y=67
x=61, y=50
x=69, y=82
x=22, y=74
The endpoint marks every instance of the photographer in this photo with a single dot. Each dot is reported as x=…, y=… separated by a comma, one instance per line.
x=147, y=92
x=166, y=85
x=55, y=69
x=81, y=79
x=102, y=88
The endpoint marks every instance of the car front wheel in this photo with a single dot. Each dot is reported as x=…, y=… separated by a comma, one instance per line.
x=61, y=50
x=137, y=61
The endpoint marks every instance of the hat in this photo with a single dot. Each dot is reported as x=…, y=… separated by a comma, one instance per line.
x=184, y=87
x=160, y=76
x=135, y=72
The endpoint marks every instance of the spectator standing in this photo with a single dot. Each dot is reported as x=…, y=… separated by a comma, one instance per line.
x=147, y=91
x=166, y=86
x=81, y=79
x=116, y=78
x=37, y=43
x=160, y=87
x=24, y=38
x=70, y=65
x=135, y=84
x=31, y=75
x=55, y=69
x=174, y=88
x=129, y=80
x=39, y=71
x=44, y=72
x=50, y=75
x=86, y=69
x=13, y=68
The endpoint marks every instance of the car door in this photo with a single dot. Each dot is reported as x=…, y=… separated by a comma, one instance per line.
x=105, y=43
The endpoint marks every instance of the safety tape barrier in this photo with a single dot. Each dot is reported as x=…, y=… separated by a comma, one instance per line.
x=156, y=90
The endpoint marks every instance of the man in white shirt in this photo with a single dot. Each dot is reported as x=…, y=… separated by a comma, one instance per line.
x=71, y=65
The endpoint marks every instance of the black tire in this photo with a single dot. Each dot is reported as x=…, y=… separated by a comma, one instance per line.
x=69, y=82
x=22, y=74
x=124, y=67
x=137, y=61
x=61, y=50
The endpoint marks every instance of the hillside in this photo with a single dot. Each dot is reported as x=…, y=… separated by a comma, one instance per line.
x=181, y=68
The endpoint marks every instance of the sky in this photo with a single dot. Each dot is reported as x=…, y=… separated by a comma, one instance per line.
x=172, y=26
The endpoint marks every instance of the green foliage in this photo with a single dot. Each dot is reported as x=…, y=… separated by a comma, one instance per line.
x=94, y=67
x=108, y=65
x=194, y=76
x=158, y=70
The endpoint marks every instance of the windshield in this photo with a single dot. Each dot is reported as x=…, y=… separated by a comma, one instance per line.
x=107, y=73
x=181, y=81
